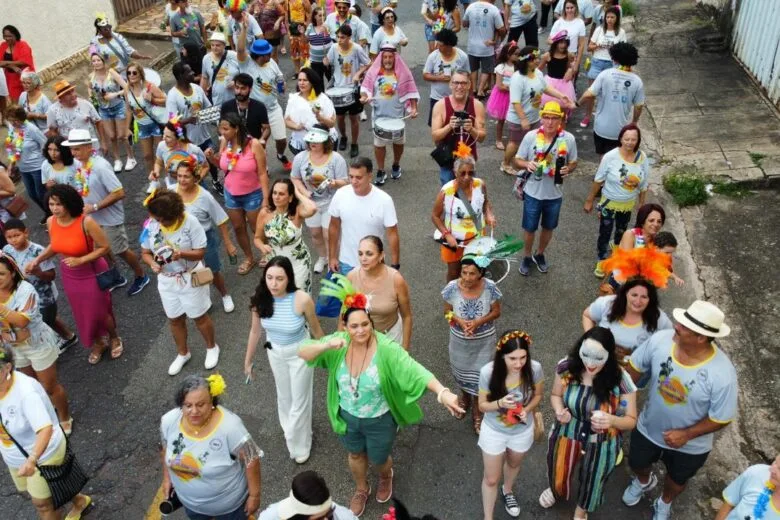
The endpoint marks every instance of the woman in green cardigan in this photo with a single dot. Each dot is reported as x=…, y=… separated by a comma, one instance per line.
x=373, y=388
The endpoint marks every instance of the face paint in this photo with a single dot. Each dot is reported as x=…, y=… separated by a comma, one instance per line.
x=593, y=354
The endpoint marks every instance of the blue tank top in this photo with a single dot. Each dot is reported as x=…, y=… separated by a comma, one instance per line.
x=285, y=327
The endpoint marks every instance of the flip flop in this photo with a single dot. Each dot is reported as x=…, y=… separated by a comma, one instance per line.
x=246, y=266
x=83, y=512
x=67, y=426
x=97, y=354
x=500, y=145
x=117, y=348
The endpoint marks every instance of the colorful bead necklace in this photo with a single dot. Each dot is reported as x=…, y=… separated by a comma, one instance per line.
x=541, y=159
x=13, y=144
x=759, y=510
x=82, y=178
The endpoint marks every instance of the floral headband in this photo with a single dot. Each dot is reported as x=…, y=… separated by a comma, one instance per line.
x=342, y=289
x=509, y=336
x=533, y=54
x=175, y=120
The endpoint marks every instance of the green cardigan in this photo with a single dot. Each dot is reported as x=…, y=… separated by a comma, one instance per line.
x=402, y=379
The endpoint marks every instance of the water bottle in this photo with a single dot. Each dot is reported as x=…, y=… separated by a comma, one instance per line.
x=280, y=86
x=560, y=162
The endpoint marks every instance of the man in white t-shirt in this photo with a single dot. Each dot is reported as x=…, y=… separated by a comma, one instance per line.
x=359, y=210
x=486, y=27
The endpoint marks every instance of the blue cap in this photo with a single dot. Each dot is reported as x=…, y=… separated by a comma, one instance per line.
x=260, y=47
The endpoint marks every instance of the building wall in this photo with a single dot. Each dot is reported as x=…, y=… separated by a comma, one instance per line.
x=55, y=29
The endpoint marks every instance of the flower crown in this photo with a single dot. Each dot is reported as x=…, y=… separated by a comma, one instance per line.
x=235, y=5
x=175, y=120
x=342, y=289
x=216, y=385
x=509, y=336
x=647, y=262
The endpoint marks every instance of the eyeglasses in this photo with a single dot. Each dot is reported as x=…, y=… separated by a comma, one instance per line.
x=459, y=83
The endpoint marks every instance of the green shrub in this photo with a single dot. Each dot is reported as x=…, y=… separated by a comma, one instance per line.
x=686, y=187
x=730, y=189
x=628, y=7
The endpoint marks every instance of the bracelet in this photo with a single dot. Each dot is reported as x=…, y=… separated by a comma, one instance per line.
x=438, y=396
x=33, y=458
x=446, y=233
x=450, y=317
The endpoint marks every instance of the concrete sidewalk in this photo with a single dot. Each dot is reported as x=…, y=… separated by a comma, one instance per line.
x=147, y=24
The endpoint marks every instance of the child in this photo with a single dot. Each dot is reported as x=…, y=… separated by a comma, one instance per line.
x=559, y=63
x=498, y=103
x=23, y=252
x=667, y=242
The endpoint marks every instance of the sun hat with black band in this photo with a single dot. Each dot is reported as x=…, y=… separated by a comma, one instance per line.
x=79, y=137
x=291, y=506
x=703, y=318
x=63, y=87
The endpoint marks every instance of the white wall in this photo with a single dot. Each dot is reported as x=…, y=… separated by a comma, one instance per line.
x=55, y=29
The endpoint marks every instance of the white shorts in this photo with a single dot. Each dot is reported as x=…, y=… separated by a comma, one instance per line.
x=179, y=297
x=381, y=143
x=39, y=357
x=494, y=442
x=321, y=219
x=276, y=122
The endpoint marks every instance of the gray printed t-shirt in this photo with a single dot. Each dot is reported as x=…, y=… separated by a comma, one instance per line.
x=386, y=101
x=528, y=92
x=63, y=176
x=32, y=148
x=381, y=38
x=627, y=336
x=266, y=78
x=186, y=106
x=314, y=177
x=483, y=20
x=501, y=421
x=543, y=186
x=192, y=22
x=47, y=291
x=103, y=181
x=346, y=64
x=436, y=64
x=617, y=92
x=206, y=209
x=623, y=181
x=679, y=395
x=64, y=119
x=206, y=472
x=190, y=235
x=39, y=107
x=226, y=73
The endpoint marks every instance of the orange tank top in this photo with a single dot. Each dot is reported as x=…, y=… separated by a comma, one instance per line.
x=70, y=240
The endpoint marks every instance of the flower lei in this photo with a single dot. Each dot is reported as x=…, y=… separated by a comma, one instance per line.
x=13, y=144
x=541, y=160
x=440, y=20
x=759, y=510
x=624, y=68
x=81, y=178
x=232, y=157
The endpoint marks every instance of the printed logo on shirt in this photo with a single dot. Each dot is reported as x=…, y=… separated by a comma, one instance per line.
x=5, y=439
x=387, y=86
x=628, y=181
x=215, y=444
x=671, y=388
x=264, y=86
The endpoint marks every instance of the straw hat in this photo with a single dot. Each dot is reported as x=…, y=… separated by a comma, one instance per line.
x=63, y=87
x=552, y=108
x=703, y=318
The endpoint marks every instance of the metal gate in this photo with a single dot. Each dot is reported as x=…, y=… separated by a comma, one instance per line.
x=756, y=42
x=126, y=9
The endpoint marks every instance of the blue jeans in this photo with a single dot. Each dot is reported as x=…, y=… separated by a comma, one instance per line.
x=609, y=219
x=446, y=174
x=238, y=514
x=35, y=188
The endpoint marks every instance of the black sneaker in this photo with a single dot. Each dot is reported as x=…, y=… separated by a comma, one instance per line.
x=65, y=344
x=510, y=503
x=218, y=187
x=342, y=143
x=119, y=282
x=541, y=263
x=354, y=151
x=138, y=285
x=381, y=178
x=396, y=172
x=525, y=266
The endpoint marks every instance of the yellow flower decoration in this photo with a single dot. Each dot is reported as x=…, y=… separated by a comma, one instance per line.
x=216, y=385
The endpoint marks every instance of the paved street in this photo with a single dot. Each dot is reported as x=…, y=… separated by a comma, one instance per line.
x=117, y=404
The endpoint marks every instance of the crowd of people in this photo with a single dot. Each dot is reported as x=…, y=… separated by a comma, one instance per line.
x=204, y=143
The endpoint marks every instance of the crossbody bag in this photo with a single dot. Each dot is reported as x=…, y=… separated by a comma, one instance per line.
x=214, y=75
x=522, y=178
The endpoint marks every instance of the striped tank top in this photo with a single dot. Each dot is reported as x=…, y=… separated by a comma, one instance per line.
x=285, y=327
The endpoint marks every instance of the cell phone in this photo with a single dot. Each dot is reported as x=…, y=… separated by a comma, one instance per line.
x=461, y=114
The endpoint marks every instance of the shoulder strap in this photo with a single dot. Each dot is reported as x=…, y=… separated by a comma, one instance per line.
x=466, y=202
x=19, y=446
x=216, y=69
x=141, y=105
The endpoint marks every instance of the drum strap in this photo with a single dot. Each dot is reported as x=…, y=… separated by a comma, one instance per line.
x=473, y=214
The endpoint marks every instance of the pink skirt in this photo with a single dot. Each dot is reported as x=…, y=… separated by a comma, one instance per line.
x=564, y=87
x=498, y=103
x=91, y=307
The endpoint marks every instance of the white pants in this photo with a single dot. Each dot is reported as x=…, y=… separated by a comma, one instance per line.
x=294, y=381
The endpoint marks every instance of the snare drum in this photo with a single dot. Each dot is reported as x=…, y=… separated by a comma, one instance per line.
x=341, y=96
x=389, y=129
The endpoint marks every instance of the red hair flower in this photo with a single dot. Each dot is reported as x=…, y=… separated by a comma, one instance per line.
x=356, y=301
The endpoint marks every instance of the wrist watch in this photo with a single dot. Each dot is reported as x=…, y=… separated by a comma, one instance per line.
x=95, y=207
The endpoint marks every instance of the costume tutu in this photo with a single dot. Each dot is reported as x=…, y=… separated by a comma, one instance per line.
x=564, y=87
x=498, y=103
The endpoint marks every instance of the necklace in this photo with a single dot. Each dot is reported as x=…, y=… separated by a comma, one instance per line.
x=202, y=426
x=82, y=178
x=354, y=382
x=543, y=167
x=232, y=157
x=624, y=68
x=759, y=510
x=13, y=144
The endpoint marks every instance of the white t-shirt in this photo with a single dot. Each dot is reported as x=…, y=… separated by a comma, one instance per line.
x=575, y=29
x=266, y=78
x=361, y=216
x=26, y=409
x=186, y=106
x=102, y=181
x=520, y=12
x=605, y=40
x=190, y=235
x=381, y=38
x=587, y=9
x=483, y=20
x=618, y=92
x=301, y=111
x=339, y=513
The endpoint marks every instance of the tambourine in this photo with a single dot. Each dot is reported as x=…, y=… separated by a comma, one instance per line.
x=208, y=116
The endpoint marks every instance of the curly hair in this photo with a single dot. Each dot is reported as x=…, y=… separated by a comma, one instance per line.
x=166, y=205
x=68, y=197
x=624, y=54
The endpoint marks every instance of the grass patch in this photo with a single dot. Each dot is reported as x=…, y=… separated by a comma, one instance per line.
x=730, y=189
x=628, y=7
x=757, y=158
x=686, y=186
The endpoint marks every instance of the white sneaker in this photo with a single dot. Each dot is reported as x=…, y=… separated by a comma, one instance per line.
x=212, y=357
x=661, y=510
x=302, y=460
x=227, y=303
x=321, y=264
x=178, y=364
x=117, y=166
x=635, y=491
x=363, y=116
x=130, y=164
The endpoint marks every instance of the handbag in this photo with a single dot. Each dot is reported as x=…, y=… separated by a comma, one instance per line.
x=201, y=276
x=519, y=186
x=538, y=426
x=442, y=154
x=328, y=306
x=16, y=206
x=65, y=480
x=108, y=278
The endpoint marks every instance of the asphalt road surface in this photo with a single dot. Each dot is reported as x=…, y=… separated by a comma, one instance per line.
x=117, y=405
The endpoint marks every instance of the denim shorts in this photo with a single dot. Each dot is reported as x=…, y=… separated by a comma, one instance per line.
x=373, y=436
x=248, y=202
x=597, y=66
x=211, y=259
x=536, y=209
x=429, y=36
x=149, y=130
x=115, y=112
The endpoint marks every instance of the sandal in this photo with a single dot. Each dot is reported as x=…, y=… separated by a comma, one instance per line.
x=96, y=354
x=508, y=170
x=547, y=499
x=500, y=145
x=117, y=348
x=246, y=266
x=83, y=512
x=263, y=262
x=67, y=426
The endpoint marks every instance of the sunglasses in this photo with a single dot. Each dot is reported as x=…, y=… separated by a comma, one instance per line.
x=133, y=73
x=467, y=173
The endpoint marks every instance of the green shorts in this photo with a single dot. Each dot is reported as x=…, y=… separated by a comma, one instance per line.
x=373, y=436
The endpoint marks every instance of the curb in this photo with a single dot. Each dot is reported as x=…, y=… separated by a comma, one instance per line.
x=145, y=35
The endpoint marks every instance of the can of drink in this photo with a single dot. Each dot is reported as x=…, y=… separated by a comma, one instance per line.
x=280, y=86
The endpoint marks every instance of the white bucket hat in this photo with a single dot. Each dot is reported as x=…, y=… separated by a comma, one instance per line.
x=703, y=318
x=79, y=137
x=291, y=506
x=217, y=36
